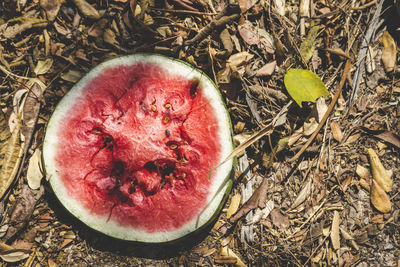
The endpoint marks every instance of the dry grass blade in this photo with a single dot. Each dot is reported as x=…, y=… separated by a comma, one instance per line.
x=12, y=158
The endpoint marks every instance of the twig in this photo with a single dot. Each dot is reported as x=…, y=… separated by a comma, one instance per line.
x=365, y=6
x=12, y=74
x=374, y=24
x=327, y=113
x=209, y=28
x=180, y=11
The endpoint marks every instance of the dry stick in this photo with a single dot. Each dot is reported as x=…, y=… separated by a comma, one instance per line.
x=365, y=6
x=198, y=13
x=209, y=28
x=327, y=113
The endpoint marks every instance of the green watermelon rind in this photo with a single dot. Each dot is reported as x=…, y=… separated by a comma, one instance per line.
x=111, y=228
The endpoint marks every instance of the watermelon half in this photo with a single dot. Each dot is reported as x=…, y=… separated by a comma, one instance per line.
x=130, y=147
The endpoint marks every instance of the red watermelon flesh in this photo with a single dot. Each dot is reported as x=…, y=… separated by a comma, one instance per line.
x=138, y=146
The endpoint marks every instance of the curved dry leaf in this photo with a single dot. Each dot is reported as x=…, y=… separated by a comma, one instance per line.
x=4, y=130
x=43, y=66
x=12, y=158
x=379, y=172
x=246, y=4
x=363, y=172
x=71, y=76
x=225, y=253
x=234, y=206
x=239, y=59
x=249, y=33
x=34, y=174
x=15, y=26
x=51, y=7
x=31, y=111
x=335, y=238
x=379, y=198
x=389, y=51
x=86, y=9
x=336, y=131
x=267, y=69
x=14, y=255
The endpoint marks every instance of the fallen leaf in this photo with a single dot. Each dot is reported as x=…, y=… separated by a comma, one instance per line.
x=279, y=220
x=71, y=76
x=353, y=138
x=280, y=7
x=267, y=69
x=388, y=137
x=249, y=33
x=22, y=209
x=239, y=59
x=246, y=4
x=304, y=193
x=363, y=172
x=86, y=9
x=309, y=127
x=4, y=134
x=379, y=172
x=97, y=29
x=234, y=206
x=15, y=26
x=321, y=108
x=369, y=61
x=31, y=110
x=335, y=238
x=263, y=213
x=14, y=255
x=304, y=85
x=225, y=253
x=110, y=37
x=379, y=198
x=307, y=47
x=336, y=131
x=34, y=174
x=11, y=160
x=43, y=66
x=389, y=51
x=51, y=7
x=256, y=200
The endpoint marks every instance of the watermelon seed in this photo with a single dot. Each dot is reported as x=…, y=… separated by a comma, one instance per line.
x=165, y=120
x=168, y=106
x=153, y=108
x=184, y=175
x=173, y=146
x=167, y=132
x=193, y=88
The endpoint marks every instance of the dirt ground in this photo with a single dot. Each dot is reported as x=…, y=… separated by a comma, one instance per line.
x=315, y=185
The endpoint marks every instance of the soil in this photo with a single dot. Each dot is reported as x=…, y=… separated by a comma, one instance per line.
x=305, y=190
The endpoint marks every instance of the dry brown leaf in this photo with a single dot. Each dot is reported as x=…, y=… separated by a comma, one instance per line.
x=267, y=69
x=97, y=29
x=336, y=131
x=86, y=9
x=23, y=208
x=304, y=193
x=14, y=255
x=246, y=4
x=110, y=37
x=4, y=134
x=335, y=238
x=353, y=138
x=279, y=220
x=12, y=158
x=71, y=76
x=249, y=33
x=51, y=263
x=389, y=51
x=31, y=110
x=51, y=7
x=239, y=59
x=234, y=206
x=379, y=198
x=228, y=254
x=34, y=174
x=43, y=66
x=379, y=172
x=389, y=137
x=15, y=26
x=363, y=172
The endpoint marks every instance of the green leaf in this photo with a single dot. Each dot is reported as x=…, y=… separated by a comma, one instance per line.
x=304, y=85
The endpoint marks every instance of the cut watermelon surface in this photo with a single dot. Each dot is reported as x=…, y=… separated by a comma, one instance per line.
x=129, y=149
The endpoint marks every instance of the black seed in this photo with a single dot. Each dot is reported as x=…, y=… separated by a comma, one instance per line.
x=193, y=88
x=167, y=132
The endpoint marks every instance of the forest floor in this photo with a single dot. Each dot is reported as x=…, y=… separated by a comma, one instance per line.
x=319, y=199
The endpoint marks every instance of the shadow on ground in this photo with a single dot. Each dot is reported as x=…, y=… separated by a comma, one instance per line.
x=99, y=241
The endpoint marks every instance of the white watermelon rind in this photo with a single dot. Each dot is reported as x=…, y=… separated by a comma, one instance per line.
x=219, y=189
